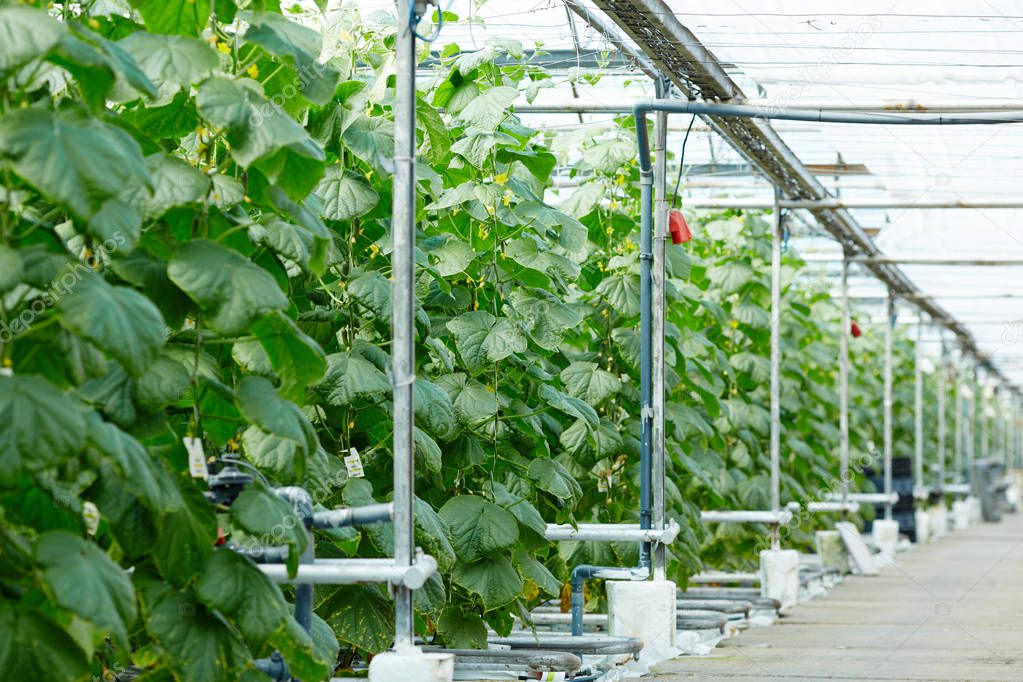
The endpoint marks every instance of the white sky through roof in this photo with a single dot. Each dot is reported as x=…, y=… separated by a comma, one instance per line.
x=863, y=52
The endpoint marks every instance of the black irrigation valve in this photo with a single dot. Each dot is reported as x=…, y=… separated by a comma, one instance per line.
x=227, y=482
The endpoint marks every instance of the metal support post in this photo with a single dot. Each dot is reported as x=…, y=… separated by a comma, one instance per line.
x=918, y=412
x=889, y=333
x=776, y=236
x=843, y=384
x=941, y=414
x=658, y=281
x=958, y=447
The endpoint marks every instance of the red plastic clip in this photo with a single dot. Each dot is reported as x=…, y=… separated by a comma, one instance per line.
x=678, y=227
x=855, y=330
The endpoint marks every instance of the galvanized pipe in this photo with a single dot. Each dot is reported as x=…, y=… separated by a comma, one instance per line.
x=918, y=414
x=876, y=108
x=843, y=384
x=889, y=333
x=775, y=444
x=887, y=499
x=403, y=367
x=971, y=423
x=941, y=414
x=844, y=507
x=854, y=204
x=657, y=342
x=775, y=517
x=613, y=532
x=407, y=577
x=958, y=447
x=646, y=417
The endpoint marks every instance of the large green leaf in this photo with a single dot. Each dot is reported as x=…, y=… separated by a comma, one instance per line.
x=487, y=110
x=433, y=535
x=36, y=648
x=74, y=159
x=345, y=195
x=259, y=402
x=26, y=34
x=350, y=376
x=494, y=579
x=301, y=46
x=296, y=359
x=481, y=338
x=260, y=512
x=196, y=643
x=226, y=285
x=569, y=404
x=175, y=183
x=588, y=381
x=478, y=528
x=462, y=629
x=84, y=580
x=361, y=616
x=552, y=477
x=434, y=409
x=150, y=483
x=170, y=61
x=546, y=317
x=256, y=127
x=117, y=319
x=185, y=537
x=532, y=569
x=372, y=290
x=187, y=17
x=40, y=427
x=520, y=508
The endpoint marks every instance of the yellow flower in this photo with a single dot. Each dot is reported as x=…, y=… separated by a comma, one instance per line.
x=8, y=363
x=604, y=313
x=614, y=204
x=506, y=199
x=620, y=180
x=501, y=179
x=491, y=210
x=610, y=230
x=373, y=250
x=351, y=425
x=224, y=47
x=253, y=71
x=735, y=324
x=483, y=232
x=490, y=388
x=93, y=24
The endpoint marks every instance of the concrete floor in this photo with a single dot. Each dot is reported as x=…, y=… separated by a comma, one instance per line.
x=950, y=610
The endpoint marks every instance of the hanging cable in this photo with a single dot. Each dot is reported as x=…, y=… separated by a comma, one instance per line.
x=414, y=17
x=681, y=162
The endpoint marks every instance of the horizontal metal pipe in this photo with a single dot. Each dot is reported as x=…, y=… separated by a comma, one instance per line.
x=597, y=532
x=764, y=204
x=867, y=498
x=354, y=516
x=956, y=488
x=348, y=572
x=780, y=517
x=850, y=507
x=583, y=107
x=723, y=578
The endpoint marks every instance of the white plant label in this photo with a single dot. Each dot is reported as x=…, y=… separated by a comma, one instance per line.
x=602, y=484
x=196, y=459
x=354, y=465
x=6, y=372
x=90, y=514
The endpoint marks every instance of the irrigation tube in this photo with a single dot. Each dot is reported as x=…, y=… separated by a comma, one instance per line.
x=889, y=333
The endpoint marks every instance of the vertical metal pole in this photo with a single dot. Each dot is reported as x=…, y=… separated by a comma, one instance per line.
x=843, y=384
x=958, y=447
x=941, y=414
x=403, y=368
x=660, y=237
x=985, y=435
x=971, y=427
x=646, y=416
x=889, y=334
x=918, y=413
x=776, y=235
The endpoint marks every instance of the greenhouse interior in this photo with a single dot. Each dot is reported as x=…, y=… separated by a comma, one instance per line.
x=431, y=340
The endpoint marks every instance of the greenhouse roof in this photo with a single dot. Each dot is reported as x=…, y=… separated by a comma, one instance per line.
x=866, y=55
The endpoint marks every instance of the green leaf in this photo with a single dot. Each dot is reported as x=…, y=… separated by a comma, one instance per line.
x=197, y=644
x=36, y=648
x=546, y=318
x=568, y=404
x=84, y=580
x=478, y=528
x=437, y=141
x=530, y=253
x=175, y=183
x=494, y=579
x=117, y=319
x=731, y=277
x=186, y=17
x=170, y=61
x=225, y=284
x=150, y=483
x=185, y=537
x=71, y=158
x=532, y=569
x=295, y=242
x=296, y=359
x=10, y=269
x=40, y=427
x=361, y=616
x=428, y=454
x=451, y=256
x=520, y=508
x=462, y=629
x=117, y=225
x=26, y=34
x=301, y=46
x=373, y=291
x=434, y=409
x=486, y=111
x=164, y=381
x=588, y=381
x=345, y=195
x=432, y=534
x=262, y=513
x=621, y=290
x=470, y=331
x=351, y=376
x=609, y=155
x=553, y=478
x=504, y=338
x=259, y=402
x=256, y=127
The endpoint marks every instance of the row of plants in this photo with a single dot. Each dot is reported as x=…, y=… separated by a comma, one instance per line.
x=194, y=244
